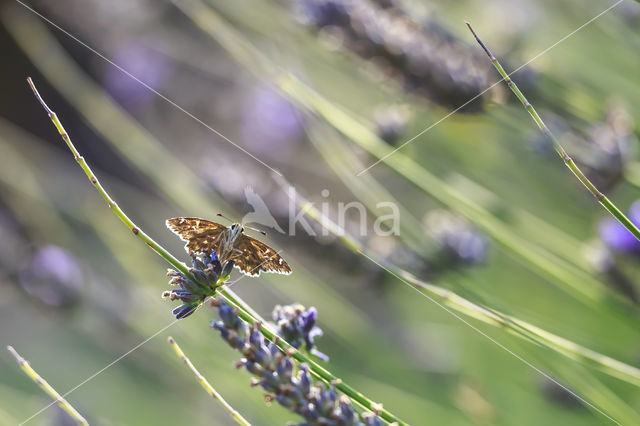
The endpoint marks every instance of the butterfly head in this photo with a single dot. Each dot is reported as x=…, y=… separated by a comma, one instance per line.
x=235, y=230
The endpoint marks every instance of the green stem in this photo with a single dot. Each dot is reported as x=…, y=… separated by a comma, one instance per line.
x=207, y=386
x=244, y=311
x=110, y=202
x=47, y=388
x=487, y=315
x=571, y=278
x=568, y=161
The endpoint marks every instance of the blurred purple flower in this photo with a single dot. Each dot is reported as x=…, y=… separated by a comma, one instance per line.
x=459, y=243
x=54, y=276
x=56, y=263
x=148, y=66
x=270, y=124
x=616, y=236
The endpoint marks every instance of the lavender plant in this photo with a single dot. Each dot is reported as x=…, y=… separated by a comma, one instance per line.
x=418, y=55
x=540, y=257
x=276, y=372
x=193, y=296
x=488, y=315
x=297, y=325
x=459, y=243
x=604, y=150
x=207, y=386
x=563, y=273
x=568, y=161
x=180, y=296
x=616, y=236
x=209, y=274
x=48, y=389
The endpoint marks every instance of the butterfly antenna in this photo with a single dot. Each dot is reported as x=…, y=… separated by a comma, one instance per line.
x=223, y=216
x=257, y=230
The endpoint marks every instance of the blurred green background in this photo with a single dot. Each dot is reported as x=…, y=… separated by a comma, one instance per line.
x=78, y=290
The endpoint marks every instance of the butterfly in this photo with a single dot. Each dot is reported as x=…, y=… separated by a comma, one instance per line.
x=250, y=256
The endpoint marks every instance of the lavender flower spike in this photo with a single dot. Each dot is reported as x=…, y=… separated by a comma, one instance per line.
x=298, y=326
x=276, y=373
x=209, y=274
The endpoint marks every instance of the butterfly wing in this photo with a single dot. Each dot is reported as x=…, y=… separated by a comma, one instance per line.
x=202, y=236
x=258, y=257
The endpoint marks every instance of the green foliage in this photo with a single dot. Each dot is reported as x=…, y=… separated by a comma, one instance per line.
x=538, y=294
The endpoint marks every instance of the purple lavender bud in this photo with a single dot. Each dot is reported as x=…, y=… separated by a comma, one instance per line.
x=274, y=349
x=255, y=338
x=228, y=316
x=185, y=296
x=190, y=286
x=185, y=310
x=254, y=368
x=347, y=413
x=226, y=271
x=197, y=263
x=262, y=356
x=286, y=401
x=319, y=354
x=617, y=237
x=235, y=341
x=311, y=413
x=325, y=400
x=331, y=395
x=309, y=319
x=371, y=420
x=304, y=379
x=270, y=381
x=214, y=263
x=284, y=369
x=224, y=332
x=296, y=394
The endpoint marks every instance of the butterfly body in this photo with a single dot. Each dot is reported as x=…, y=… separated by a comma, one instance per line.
x=250, y=256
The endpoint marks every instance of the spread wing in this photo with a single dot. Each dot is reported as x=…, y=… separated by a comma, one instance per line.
x=258, y=257
x=202, y=236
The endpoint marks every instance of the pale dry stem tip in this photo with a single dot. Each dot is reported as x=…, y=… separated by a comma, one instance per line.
x=38, y=97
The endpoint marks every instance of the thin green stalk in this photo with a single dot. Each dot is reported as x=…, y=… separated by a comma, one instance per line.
x=576, y=282
x=570, y=278
x=207, y=386
x=552, y=238
x=244, y=311
x=568, y=161
x=128, y=138
x=110, y=202
x=513, y=325
x=47, y=388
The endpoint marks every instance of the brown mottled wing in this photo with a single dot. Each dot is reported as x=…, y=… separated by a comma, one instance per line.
x=258, y=257
x=202, y=236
